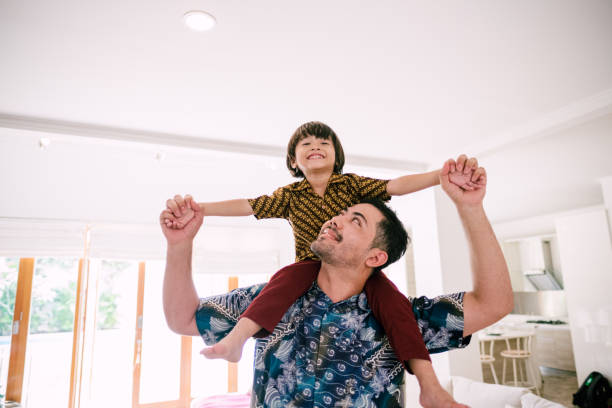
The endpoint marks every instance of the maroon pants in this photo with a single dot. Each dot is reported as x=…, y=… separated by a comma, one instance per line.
x=388, y=305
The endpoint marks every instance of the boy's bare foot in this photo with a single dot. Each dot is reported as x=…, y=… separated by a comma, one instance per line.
x=230, y=347
x=224, y=351
x=437, y=397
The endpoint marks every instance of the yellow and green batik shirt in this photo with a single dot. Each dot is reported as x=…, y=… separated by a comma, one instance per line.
x=306, y=211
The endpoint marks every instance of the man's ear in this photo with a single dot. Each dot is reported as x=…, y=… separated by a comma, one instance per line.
x=376, y=258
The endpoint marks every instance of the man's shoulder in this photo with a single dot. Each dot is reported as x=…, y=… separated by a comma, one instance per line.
x=307, y=266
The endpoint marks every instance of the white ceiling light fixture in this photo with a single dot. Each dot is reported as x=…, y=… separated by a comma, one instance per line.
x=43, y=143
x=199, y=20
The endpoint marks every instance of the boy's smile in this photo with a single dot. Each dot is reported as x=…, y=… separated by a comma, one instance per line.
x=315, y=156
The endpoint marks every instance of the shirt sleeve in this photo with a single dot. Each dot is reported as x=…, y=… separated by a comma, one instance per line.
x=367, y=187
x=441, y=322
x=271, y=206
x=217, y=315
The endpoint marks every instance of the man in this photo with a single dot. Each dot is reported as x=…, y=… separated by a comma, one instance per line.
x=328, y=350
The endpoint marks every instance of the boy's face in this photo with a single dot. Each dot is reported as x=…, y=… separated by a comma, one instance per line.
x=312, y=154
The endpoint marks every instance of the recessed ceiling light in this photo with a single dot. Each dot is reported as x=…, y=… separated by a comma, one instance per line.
x=199, y=20
x=44, y=142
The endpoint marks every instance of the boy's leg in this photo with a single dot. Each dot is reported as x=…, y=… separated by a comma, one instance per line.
x=432, y=393
x=267, y=309
x=390, y=306
x=230, y=347
x=280, y=292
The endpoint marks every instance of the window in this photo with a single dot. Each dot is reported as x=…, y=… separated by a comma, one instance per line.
x=113, y=349
x=49, y=344
x=9, y=268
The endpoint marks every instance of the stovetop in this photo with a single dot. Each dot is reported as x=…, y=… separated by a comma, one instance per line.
x=547, y=321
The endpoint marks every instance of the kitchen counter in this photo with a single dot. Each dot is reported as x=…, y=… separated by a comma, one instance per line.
x=553, y=343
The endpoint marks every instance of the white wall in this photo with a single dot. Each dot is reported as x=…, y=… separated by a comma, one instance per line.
x=550, y=173
x=456, y=276
x=513, y=260
x=586, y=255
x=441, y=263
x=606, y=187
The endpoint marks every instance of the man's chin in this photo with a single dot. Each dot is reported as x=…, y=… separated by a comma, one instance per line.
x=320, y=249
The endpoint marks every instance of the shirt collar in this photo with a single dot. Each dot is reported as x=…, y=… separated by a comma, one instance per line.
x=304, y=184
x=355, y=302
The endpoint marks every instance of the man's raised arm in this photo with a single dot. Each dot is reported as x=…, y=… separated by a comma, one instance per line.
x=179, y=295
x=491, y=298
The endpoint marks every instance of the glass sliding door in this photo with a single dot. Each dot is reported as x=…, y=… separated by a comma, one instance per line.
x=245, y=365
x=113, y=343
x=49, y=345
x=160, y=352
x=208, y=377
x=9, y=269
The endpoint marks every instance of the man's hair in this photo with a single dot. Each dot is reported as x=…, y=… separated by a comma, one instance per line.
x=391, y=236
x=320, y=131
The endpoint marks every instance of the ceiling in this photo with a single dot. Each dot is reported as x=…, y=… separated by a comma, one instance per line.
x=406, y=82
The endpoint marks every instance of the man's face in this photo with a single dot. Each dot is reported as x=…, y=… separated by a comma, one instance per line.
x=346, y=239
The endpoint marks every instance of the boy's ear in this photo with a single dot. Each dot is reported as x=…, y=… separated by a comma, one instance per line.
x=293, y=164
x=376, y=258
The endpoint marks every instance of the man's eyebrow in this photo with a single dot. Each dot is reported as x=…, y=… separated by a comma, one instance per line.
x=358, y=214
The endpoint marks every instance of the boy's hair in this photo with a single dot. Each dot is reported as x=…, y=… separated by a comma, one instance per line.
x=391, y=236
x=320, y=131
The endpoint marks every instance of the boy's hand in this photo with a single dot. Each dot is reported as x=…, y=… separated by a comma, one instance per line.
x=460, y=196
x=188, y=230
x=463, y=173
x=178, y=211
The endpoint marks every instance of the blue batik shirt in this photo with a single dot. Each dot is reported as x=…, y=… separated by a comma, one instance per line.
x=325, y=354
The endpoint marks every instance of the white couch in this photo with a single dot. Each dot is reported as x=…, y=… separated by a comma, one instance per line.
x=481, y=395
x=472, y=393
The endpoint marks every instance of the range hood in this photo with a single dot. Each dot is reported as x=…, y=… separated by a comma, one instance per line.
x=536, y=263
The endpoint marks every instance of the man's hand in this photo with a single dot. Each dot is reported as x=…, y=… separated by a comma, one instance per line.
x=461, y=175
x=462, y=169
x=193, y=218
x=179, y=213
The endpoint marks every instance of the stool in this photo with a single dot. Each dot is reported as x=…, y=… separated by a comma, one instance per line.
x=522, y=353
x=488, y=359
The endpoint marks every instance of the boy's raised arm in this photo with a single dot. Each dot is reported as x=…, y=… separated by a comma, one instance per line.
x=461, y=174
x=237, y=207
x=412, y=182
x=179, y=213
